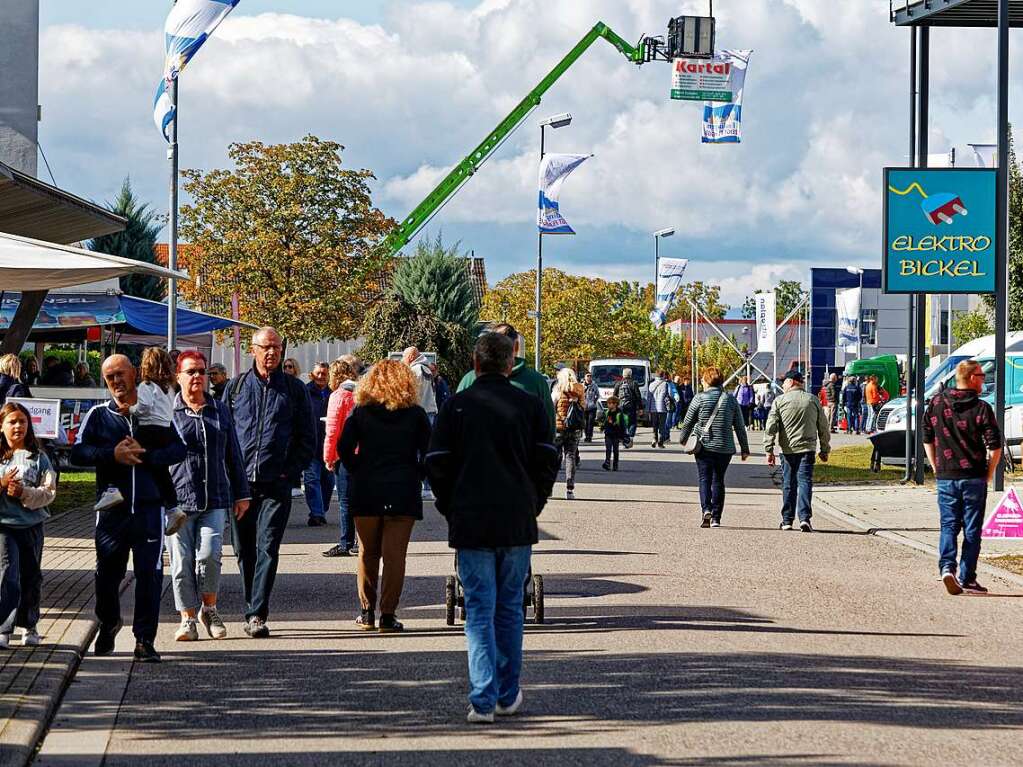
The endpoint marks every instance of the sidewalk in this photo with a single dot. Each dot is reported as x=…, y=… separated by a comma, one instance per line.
x=907, y=515
x=32, y=679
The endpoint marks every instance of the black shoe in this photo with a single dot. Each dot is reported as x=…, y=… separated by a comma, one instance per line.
x=974, y=587
x=389, y=624
x=316, y=522
x=256, y=628
x=146, y=653
x=337, y=551
x=367, y=620
x=605, y=466
x=614, y=467
x=653, y=444
x=105, y=639
x=706, y=519
x=660, y=444
x=805, y=526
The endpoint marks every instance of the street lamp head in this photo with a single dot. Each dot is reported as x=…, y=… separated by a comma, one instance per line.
x=558, y=121
x=665, y=232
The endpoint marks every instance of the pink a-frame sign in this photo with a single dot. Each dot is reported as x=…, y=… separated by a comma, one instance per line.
x=1006, y=521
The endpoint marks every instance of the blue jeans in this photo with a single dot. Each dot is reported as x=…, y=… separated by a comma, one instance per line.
x=961, y=503
x=319, y=486
x=852, y=419
x=797, y=486
x=631, y=414
x=195, y=557
x=346, y=522
x=493, y=580
x=711, y=468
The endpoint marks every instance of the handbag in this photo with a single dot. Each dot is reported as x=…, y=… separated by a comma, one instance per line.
x=694, y=444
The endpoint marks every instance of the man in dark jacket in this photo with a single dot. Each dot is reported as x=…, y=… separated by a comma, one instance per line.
x=318, y=482
x=492, y=465
x=964, y=446
x=130, y=519
x=852, y=402
x=274, y=422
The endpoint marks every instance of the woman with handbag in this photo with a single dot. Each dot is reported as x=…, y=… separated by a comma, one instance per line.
x=712, y=419
x=568, y=395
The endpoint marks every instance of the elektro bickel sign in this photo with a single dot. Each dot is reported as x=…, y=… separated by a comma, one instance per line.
x=939, y=230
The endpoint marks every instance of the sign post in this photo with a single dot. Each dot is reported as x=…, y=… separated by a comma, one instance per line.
x=45, y=415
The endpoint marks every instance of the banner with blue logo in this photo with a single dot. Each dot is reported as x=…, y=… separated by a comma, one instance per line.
x=669, y=279
x=940, y=230
x=189, y=24
x=722, y=123
x=554, y=169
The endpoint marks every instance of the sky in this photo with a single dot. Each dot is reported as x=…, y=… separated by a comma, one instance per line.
x=410, y=87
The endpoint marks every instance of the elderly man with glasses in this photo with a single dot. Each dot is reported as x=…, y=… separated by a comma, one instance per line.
x=274, y=422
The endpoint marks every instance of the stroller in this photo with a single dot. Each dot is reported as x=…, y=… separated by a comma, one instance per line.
x=454, y=597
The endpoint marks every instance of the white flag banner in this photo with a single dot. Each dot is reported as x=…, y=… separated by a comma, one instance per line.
x=554, y=169
x=847, y=309
x=767, y=322
x=985, y=155
x=722, y=123
x=669, y=279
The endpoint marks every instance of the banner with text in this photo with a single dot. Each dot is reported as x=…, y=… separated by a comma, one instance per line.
x=722, y=123
x=767, y=322
x=847, y=309
x=554, y=169
x=702, y=79
x=669, y=279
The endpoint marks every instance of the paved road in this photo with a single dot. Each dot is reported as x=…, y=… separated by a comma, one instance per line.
x=665, y=644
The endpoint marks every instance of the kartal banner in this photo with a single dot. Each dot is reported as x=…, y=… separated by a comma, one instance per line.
x=939, y=230
x=702, y=80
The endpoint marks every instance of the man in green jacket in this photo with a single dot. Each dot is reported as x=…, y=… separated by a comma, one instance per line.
x=797, y=422
x=522, y=376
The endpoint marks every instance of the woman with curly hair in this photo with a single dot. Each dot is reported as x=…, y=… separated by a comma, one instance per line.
x=382, y=447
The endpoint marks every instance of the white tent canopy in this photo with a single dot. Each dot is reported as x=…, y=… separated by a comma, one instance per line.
x=27, y=264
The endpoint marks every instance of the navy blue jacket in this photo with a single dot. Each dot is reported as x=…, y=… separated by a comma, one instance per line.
x=100, y=432
x=12, y=387
x=274, y=423
x=318, y=399
x=212, y=475
x=852, y=395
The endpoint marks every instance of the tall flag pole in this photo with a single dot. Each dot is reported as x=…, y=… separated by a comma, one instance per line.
x=189, y=24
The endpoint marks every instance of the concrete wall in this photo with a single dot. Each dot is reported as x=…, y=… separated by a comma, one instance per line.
x=19, y=83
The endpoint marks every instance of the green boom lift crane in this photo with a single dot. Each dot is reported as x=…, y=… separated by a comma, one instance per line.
x=647, y=49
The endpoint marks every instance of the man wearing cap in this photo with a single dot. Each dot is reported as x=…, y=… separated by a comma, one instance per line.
x=797, y=422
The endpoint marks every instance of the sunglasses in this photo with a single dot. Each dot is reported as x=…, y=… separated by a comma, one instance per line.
x=193, y=372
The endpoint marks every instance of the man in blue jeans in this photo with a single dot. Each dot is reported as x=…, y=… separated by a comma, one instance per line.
x=964, y=445
x=492, y=466
x=797, y=423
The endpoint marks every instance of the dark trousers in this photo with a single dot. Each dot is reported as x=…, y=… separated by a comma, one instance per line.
x=711, y=468
x=657, y=424
x=153, y=437
x=797, y=486
x=21, y=576
x=140, y=534
x=257, y=543
x=611, y=445
x=747, y=414
x=591, y=420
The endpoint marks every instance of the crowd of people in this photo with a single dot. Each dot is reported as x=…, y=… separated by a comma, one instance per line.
x=853, y=404
x=180, y=451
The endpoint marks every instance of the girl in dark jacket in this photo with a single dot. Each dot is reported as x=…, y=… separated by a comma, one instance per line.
x=383, y=446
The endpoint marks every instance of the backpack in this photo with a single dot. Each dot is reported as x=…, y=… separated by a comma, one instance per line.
x=574, y=420
x=626, y=398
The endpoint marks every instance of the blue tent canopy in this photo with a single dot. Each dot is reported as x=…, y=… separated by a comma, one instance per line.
x=151, y=317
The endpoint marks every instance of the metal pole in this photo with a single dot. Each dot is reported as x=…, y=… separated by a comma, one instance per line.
x=537, y=309
x=910, y=444
x=657, y=262
x=921, y=302
x=859, y=322
x=948, y=326
x=1002, y=211
x=172, y=244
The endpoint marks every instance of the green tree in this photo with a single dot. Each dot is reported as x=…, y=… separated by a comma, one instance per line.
x=706, y=297
x=438, y=278
x=137, y=242
x=788, y=295
x=394, y=324
x=293, y=232
x=969, y=326
x=1015, y=244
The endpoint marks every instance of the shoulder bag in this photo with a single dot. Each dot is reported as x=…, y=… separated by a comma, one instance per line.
x=694, y=445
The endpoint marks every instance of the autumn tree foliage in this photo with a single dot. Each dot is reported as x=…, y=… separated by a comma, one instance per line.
x=293, y=232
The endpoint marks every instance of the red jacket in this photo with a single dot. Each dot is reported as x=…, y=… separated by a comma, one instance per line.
x=339, y=407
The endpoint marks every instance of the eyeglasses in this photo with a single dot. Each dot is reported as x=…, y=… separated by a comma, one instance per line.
x=289, y=367
x=268, y=347
x=194, y=372
x=978, y=375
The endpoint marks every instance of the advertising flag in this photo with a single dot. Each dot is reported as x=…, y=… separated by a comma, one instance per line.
x=669, y=279
x=767, y=322
x=985, y=155
x=189, y=24
x=847, y=307
x=554, y=169
x=722, y=123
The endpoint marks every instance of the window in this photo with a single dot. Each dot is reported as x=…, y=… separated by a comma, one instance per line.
x=868, y=327
x=943, y=331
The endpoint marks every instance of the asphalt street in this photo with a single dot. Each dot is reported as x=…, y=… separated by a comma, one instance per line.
x=664, y=644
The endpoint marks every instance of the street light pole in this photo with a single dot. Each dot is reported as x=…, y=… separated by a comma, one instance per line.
x=668, y=232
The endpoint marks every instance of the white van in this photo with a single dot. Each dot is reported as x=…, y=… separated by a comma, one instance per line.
x=608, y=372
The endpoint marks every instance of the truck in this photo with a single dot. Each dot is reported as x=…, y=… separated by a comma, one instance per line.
x=608, y=372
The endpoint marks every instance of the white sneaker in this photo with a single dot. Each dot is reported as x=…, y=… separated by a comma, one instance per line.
x=570, y=495
x=785, y=526
x=428, y=495
x=512, y=709
x=475, y=717
x=715, y=523
x=173, y=521
x=110, y=498
x=187, y=632
x=297, y=492
x=5, y=642
x=30, y=638
x=212, y=622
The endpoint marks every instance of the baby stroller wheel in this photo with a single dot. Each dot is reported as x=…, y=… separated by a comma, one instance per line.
x=538, y=599
x=449, y=600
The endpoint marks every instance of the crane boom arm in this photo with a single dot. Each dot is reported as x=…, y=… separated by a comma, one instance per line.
x=411, y=224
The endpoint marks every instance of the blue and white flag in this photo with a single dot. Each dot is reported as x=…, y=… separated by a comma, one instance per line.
x=722, y=123
x=189, y=24
x=669, y=279
x=554, y=169
x=847, y=309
